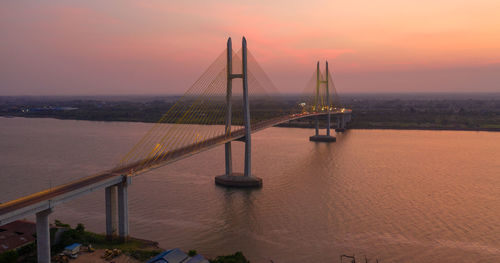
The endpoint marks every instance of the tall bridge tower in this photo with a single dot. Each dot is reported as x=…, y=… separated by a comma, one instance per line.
x=230, y=178
x=321, y=106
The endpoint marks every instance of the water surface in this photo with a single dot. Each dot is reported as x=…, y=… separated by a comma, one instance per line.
x=399, y=196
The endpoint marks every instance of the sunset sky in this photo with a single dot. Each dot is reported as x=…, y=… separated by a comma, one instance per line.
x=161, y=47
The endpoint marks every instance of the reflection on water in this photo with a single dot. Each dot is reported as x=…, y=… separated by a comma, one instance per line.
x=399, y=196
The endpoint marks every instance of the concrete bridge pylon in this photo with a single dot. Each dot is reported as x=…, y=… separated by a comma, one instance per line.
x=318, y=107
x=231, y=179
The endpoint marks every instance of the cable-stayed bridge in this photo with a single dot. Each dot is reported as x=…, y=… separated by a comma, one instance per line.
x=215, y=111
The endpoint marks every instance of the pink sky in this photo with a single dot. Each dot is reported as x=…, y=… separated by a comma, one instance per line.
x=161, y=47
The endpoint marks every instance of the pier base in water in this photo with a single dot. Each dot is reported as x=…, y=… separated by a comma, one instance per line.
x=340, y=130
x=322, y=138
x=238, y=180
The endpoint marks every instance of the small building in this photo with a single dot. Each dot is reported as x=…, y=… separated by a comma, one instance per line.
x=177, y=256
x=16, y=234
x=72, y=249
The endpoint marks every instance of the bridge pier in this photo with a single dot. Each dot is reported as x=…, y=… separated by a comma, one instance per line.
x=327, y=137
x=316, y=125
x=117, y=209
x=111, y=211
x=123, y=210
x=43, y=236
x=229, y=178
x=340, y=123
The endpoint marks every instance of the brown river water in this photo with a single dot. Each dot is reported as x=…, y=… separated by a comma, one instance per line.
x=398, y=196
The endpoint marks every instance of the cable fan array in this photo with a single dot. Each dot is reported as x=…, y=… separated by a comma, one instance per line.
x=314, y=96
x=198, y=117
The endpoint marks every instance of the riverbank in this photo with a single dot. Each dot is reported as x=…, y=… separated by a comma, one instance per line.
x=353, y=125
x=469, y=112
x=377, y=126
x=95, y=247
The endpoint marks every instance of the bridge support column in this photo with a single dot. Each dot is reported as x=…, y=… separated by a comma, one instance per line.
x=43, y=236
x=229, y=178
x=111, y=211
x=229, y=108
x=123, y=209
x=327, y=102
x=340, y=123
x=316, y=125
x=246, y=114
x=327, y=137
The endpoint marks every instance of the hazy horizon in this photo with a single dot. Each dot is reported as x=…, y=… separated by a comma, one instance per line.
x=495, y=95
x=134, y=47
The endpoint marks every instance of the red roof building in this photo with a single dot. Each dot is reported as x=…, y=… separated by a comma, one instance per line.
x=16, y=234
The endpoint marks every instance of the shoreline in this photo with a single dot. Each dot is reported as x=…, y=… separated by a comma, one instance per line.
x=280, y=126
x=95, y=247
x=427, y=129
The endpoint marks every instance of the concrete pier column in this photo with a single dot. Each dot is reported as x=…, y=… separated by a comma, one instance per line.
x=111, y=211
x=327, y=102
x=43, y=236
x=316, y=125
x=340, y=123
x=316, y=121
x=246, y=113
x=123, y=209
x=229, y=162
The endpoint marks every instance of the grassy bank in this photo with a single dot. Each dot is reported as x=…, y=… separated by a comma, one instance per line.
x=135, y=249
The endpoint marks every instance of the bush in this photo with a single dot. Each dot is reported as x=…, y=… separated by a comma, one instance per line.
x=60, y=224
x=9, y=256
x=143, y=255
x=80, y=228
x=79, y=235
x=235, y=258
x=192, y=253
x=28, y=249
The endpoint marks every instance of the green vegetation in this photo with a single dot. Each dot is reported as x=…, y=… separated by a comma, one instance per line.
x=9, y=256
x=143, y=255
x=458, y=114
x=60, y=224
x=134, y=248
x=369, y=112
x=137, y=249
x=23, y=254
x=235, y=258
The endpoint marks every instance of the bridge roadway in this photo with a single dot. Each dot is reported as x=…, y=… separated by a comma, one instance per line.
x=47, y=199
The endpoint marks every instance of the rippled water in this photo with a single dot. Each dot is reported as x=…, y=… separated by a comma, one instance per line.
x=399, y=196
